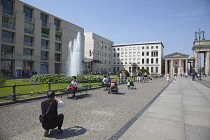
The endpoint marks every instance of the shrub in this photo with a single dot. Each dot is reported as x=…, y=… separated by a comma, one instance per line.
x=144, y=70
x=127, y=73
x=62, y=78
x=2, y=79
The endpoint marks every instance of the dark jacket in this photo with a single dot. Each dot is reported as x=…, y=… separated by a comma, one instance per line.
x=52, y=115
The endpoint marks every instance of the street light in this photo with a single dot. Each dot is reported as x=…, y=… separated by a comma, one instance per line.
x=199, y=37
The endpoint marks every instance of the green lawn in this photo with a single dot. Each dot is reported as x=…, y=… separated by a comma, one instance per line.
x=36, y=88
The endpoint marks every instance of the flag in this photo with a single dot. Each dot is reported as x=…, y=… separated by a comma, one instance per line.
x=101, y=44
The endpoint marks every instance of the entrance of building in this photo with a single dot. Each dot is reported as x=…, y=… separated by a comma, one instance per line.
x=7, y=67
x=176, y=70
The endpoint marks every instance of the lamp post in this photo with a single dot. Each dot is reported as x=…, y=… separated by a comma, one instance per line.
x=199, y=37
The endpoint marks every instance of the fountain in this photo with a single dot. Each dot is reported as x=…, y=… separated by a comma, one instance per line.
x=73, y=62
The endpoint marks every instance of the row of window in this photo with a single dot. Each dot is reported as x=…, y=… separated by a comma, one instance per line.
x=102, y=46
x=102, y=54
x=8, y=8
x=8, y=51
x=134, y=54
x=9, y=21
x=135, y=48
x=150, y=69
x=136, y=61
x=8, y=37
x=105, y=61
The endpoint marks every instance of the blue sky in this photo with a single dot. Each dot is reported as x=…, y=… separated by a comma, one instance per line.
x=174, y=22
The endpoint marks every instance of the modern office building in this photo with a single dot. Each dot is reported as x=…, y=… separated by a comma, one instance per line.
x=97, y=53
x=135, y=56
x=34, y=40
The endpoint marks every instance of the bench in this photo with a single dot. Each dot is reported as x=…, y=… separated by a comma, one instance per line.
x=102, y=86
x=79, y=89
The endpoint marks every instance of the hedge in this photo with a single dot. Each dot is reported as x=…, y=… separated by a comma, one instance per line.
x=62, y=78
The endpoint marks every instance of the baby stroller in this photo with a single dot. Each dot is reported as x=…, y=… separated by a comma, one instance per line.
x=113, y=86
x=132, y=85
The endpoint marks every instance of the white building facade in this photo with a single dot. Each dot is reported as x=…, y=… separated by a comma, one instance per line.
x=97, y=54
x=136, y=56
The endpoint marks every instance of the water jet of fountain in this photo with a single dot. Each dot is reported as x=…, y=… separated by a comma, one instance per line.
x=73, y=62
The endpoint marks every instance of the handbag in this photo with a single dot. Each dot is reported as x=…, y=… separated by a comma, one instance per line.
x=43, y=117
x=71, y=88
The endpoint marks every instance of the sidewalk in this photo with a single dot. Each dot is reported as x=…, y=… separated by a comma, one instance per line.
x=181, y=112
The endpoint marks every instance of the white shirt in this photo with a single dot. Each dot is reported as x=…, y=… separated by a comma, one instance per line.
x=61, y=104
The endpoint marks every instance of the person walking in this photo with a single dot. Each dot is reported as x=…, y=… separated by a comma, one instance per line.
x=53, y=119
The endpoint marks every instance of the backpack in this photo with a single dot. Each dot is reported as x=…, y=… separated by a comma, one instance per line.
x=43, y=117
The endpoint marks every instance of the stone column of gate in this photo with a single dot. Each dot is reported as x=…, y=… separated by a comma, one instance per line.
x=207, y=66
x=171, y=69
x=166, y=67
x=186, y=66
x=196, y=61
x=180, y=67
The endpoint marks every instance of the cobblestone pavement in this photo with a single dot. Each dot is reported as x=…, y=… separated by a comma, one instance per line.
x=94, y=116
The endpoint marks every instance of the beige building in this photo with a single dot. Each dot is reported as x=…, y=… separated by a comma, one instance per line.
x=176, y=63
x=97, y=53
x=32, y=39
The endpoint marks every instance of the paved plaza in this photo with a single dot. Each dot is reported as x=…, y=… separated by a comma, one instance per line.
x=182, y=111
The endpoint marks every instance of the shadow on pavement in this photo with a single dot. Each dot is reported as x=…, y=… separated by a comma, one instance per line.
x=67, y=133
x=119, y=93
x=80, y=96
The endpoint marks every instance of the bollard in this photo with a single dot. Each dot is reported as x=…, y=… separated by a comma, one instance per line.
x=13, y=92
x=48, y=86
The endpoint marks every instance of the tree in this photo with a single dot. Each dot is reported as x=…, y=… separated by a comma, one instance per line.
x=127, y=73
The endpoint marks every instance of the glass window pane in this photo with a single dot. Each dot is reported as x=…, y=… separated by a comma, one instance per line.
x=7, y=37
x=28, y=13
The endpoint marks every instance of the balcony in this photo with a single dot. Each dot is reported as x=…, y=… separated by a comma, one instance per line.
x=44, y=58
x=45, y=35
x=7, y=55
x=46, y=25
x=58, y=39
x=28, y=57
x=58, y=31
x=8, y=21
x=29, y=19
x=8, y=12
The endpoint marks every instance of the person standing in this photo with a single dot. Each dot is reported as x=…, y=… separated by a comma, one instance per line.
x=175, y=75
x=193, y=77
x=167, y=77
x=125, y=77
x=106, y=82
x=122, y=77
x=53, y=119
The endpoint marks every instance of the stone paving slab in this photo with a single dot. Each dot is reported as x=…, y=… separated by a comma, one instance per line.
x=197, y=132
x=181, y=112
x=155, y=127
